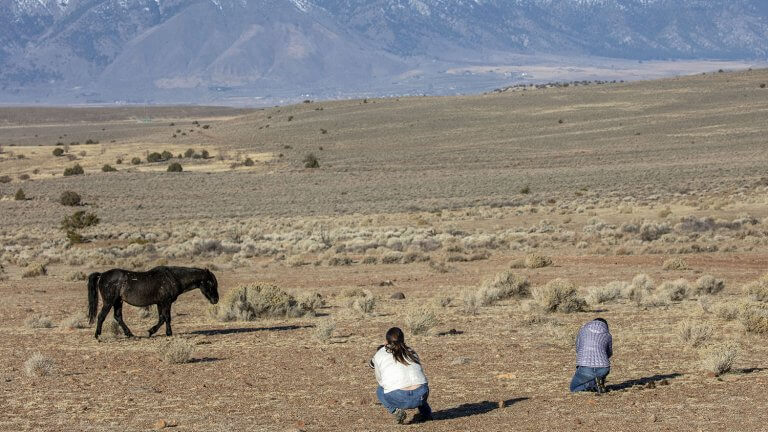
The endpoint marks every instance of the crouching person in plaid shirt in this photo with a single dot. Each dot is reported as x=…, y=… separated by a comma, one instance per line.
x=594, y=348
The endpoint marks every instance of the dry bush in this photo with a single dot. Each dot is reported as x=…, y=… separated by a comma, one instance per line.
x=470, y=303
x=758, y=290
x=640, y=287
x=324, y=331
x=559, y=295
x=694, y=334
x=609, y=292
x=675, y=264
x=370, y=259
x=255, y=301
x=439, y=266
x=392, y=257
x=339, y=260
x=502, y=286
x=77, y=276
x=145, y=312
x=35, y=270
x=677, y=290
x=75, y=321
x=38, y=365
x=754, y=317
x=719, y=359
x=178, y=351
x=311, y=302
x=534, y=261
x=421, y=320
x=365, y=304
x=38, y=321
x=708, y=285
x=443, y=301
x=727, y=311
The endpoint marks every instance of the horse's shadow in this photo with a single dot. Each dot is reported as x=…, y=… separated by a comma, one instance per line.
x=228, y=331
x=470, y=409
x=642, y=381
x=205, y=360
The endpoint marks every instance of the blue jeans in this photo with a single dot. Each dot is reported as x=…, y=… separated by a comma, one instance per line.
x=406, y=399
x=584, y=378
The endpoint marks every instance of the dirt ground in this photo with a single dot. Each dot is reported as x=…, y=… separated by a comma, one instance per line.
x=634, y=176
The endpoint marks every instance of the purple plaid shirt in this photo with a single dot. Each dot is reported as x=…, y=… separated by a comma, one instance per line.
x=594, y=345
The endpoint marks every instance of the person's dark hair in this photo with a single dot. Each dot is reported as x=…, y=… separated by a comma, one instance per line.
x=397, y=347
x=601, y=320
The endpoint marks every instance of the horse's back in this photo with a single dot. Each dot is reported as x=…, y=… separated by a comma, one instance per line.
x=140, y=288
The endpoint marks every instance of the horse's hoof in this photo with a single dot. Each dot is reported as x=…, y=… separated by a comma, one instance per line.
x=129, y=335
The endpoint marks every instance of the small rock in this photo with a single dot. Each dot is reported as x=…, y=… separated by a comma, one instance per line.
x=711, y=375
x=160, y=424
x=386, y=283
x=502, y=404
x=397, y=296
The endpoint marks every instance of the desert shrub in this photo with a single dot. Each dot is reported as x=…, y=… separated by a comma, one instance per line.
x=20, y=195
x=189, y=153
x=311, y=302
x=719, y=359
x=178, y=351
x=370, y=259
x=205, y=154
x=254, y=301
x=727, y=311
x=675, y=290
x=119, y=161
x=91, y=141
x=324, y=331
x=310, y=161
x=135, y=161
x=79, y=220
x=58, y=152
x=421, y=320
x=650, y=231
x=38, y=366
x=364, y=304
x=754, y=317
x=675, y=264
x=534, y=261
x=74, y=322
x=69, y=198
x=502, y=286
x=73, y=237
x=606, y=293
x=34, y=270
x=640, y=286
x=694, y=334
x=154, y=157
x=339, y=260
x=5, y=179
x=23, y=176
x=175, y=167
x=108, y=168
x=165, y=155
x=77, y=276
x=38, y=321
x=392, y=257
x=558, y=295
x=443, y=301
x=74, y=170
x=758, y=290
x=708, y=285
x=249, y=162
x=470, y=303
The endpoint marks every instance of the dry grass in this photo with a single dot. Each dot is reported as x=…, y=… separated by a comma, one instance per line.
x=694, y=334
x=609, y=292
x=38, y=322
x=675, y=264
x=324, y=331
x=719, y=359
x=421, y=320
x=178, y=351
x=754, y=317
x=256, y=301
x=38, y=366
x=758, y=290
x=676, y=290
x=503, y=286
x=708, y=285
x=35, y=270
x=534, y=261
x=75, y=321
x=363, y=303
x=559, y=295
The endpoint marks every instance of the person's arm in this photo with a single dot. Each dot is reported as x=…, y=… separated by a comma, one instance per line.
x=610, y=346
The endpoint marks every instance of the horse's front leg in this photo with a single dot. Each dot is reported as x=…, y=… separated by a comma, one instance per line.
x=102, y=316
x=168, y=331
x=119, y=318
x=160, y=321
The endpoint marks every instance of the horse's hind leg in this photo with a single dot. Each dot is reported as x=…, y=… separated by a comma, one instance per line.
x=168, y=331
x=119, y=318
x=160, y=321
x=102, y=315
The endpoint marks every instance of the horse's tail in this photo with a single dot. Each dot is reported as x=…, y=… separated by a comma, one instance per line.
x=93, y=295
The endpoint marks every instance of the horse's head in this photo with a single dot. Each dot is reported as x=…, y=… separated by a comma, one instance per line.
x=210, y=287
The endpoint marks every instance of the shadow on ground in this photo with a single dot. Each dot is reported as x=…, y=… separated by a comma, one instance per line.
x=642, y=381
x=228, y=331
x=471, y=409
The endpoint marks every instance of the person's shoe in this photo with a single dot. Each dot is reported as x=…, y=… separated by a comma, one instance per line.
x=399, y=416
x=601, y=386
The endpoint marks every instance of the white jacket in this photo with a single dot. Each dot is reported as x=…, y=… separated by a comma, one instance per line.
x=393, y=375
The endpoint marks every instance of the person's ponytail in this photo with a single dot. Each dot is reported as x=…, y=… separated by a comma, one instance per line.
x=397, y=347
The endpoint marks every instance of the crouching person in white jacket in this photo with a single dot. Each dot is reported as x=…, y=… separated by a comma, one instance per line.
x=402, y=383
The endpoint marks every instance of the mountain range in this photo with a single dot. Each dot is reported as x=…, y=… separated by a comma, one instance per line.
x=266, y=50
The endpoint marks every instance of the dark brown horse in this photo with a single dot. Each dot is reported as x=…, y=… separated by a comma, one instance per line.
x=160, y=286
